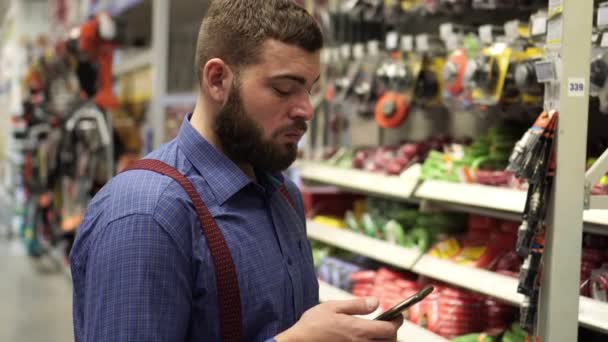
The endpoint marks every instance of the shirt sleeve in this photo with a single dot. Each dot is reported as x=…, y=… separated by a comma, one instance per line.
x=138, y=284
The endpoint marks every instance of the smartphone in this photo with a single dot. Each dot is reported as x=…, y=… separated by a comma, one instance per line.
x=394, y=312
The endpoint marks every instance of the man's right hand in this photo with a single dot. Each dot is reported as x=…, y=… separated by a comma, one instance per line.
x=334, y=321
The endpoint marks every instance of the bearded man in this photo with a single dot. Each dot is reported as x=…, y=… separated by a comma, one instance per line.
x=205, y=240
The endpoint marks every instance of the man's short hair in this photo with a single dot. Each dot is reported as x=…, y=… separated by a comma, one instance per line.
x=234, y=30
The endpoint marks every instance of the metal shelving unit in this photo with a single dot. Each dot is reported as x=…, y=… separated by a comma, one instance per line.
x=592, y=314
x=487, y=200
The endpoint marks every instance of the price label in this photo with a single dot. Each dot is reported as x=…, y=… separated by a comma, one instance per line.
x=392, y=41
x=554, y=32
x=358, y=51
x=422, y=43
x=335, y=54
x=453, y=42
x=555, y=7
x=373, y=47
x=407, y=43
x=546, y=71
x=602, y=14
x=604, y=42
x=485, y=34
x=539, y=26
x=512, y=29
x=576, y=87
x=446, y=30
x=345, y=51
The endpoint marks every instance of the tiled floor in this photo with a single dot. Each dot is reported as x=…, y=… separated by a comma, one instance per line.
x=35, y=297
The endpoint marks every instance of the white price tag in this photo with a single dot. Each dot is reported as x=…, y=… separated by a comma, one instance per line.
x=407, y=43
x=512, y=29
x=539, y=26
x=604, y=42
x=422, y=43
x=546, y=71
x=555, y=7
x=554, y=32
x=602, y=14
x=453, y=42
x=335, y=54
x=373, y=47
x=345, y=51
x=576, y=87
x=358, y=51
x=392, y=41
x=446, y=30
x=485, y=34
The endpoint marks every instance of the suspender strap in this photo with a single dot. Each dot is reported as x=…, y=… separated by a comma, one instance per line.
x=229, y=300
x=287, y=195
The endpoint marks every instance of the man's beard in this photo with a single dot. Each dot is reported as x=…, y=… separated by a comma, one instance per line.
x=242, y=138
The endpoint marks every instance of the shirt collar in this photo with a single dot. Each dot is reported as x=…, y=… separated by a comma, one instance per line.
x=224, y=177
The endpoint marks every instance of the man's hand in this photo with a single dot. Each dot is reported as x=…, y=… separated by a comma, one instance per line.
x=334, y=321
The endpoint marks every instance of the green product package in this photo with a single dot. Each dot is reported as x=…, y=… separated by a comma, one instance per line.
x=393, y=233
x=369, y=226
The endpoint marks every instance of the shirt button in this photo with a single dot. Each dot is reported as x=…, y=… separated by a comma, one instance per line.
x=289, y=261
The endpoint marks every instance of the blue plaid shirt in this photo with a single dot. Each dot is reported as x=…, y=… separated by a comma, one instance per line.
x=141, y=267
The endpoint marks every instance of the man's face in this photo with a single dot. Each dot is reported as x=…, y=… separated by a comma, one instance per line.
x=268, y=108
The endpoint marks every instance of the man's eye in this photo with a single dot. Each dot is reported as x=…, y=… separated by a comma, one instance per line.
x=281, y=93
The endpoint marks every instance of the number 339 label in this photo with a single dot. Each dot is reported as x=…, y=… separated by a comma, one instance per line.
x=576, y=87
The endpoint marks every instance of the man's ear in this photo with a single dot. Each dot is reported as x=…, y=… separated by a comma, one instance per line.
x=217, y=79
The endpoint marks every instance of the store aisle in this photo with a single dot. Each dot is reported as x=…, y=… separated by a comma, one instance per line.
x=35, y=298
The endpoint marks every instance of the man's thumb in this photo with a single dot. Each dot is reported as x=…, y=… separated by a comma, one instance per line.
x=360, y=306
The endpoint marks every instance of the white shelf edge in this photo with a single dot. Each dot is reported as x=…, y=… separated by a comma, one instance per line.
x=408, y=332
x=473, y=195
x=373, y=248
x=482, y=199
x=371, y=183
x=132, y=61
x=593, y=314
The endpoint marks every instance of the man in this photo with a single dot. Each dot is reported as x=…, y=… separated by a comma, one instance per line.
x=142, y=268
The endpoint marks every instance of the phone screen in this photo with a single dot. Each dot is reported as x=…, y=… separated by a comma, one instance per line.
x=396, y=310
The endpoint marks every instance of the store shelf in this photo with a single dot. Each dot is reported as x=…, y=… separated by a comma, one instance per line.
x=471, y=278
x=482, y=281
x=598, y=217
x=372, y=248
x=408, y=332
x=593, y=314
x=474, y=195
x=400, y=187
x=130, y=61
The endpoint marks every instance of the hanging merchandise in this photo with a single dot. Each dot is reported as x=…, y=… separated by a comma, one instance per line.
x=533, y=159
x=85, y=162
x=599, y=75
x=521, y=84
x=429, y=84
x=455, y=69
x=396, y=79
x=365, y=87
x=487, y=73
x=97, y=40
x=525, y=79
